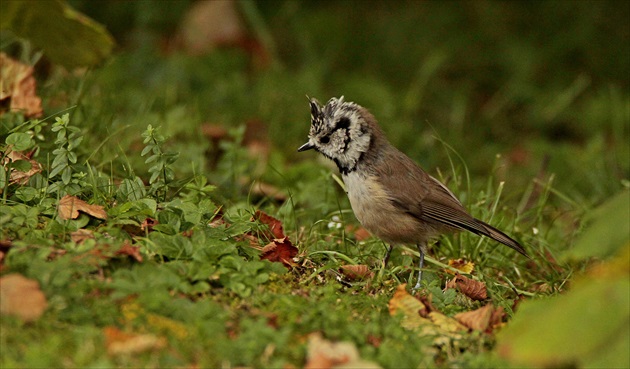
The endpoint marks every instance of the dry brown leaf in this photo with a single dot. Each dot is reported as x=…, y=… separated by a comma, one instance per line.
x=80, y=235
x=122, y=343
x=17, y=176
x=208, y=24
x=280, y=250
x=359, y=233
x=275, y=226
x=356, y=272
x=477, y=319
x=462, y=265
x=5, y=245
x=18, y=88
x=323, y=354
x=148, y=224
x=268, y=190
x=69, y=207
x=474, y=289
x=129, y=250
x=22, y=297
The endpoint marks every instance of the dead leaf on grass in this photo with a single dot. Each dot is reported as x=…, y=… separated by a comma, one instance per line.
x=480, y=319
x=356, y=272
x=324, y=354
x=79, y=236
x=18, y=88
x=443, y=328
x=123, y=343
x=474, y=289
x=130, y=250
x=69, y=207
x=18, y=176
x=359, y=233
x=462, y=265
x=22, y=297
x=412, y=309
x=268, y=190
x=280, y=250
x=275, y=225
x=148, y=224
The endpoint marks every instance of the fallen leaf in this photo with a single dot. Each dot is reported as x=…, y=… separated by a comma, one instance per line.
x=280, y=250
x=356, y=272
x=462, y=265
x=359, y=233
x=123, y=343
x=275, y=226
x=80, y=235
x=22, y=297
x=412, y=309
x=479, y=319
x=268, y=190
x=69, y=207
x=324, y=354
x=208, y=24
x=148, y=224
x=474, y=289
x=443, y=328
x=18, y=87
x=129, y=250
x=18, y=176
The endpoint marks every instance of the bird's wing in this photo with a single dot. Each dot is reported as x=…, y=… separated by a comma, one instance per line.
x=423, y=197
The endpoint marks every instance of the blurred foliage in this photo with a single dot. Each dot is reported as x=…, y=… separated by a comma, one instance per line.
x=586, y=327
x=536, y=82
x=67, y=37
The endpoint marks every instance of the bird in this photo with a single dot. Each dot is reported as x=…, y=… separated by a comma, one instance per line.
x=391, y=196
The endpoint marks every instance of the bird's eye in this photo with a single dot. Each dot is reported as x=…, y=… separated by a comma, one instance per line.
x=324, y=140
x=342, y=123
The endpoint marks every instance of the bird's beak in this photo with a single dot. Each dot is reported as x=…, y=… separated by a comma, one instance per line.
x=306, y=146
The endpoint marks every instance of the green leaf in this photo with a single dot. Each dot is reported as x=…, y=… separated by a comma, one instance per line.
x=608, y=231
x=589, y=326
x=67, y=37
x=21, y=165
x=20, y=141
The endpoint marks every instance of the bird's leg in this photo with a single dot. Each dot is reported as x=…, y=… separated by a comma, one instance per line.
x=420, y=265
x=389, y=252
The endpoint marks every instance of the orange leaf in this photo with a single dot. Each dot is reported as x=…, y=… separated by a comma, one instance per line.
x=462, y=265
x=474, y=289
x=69, y=207
x=123, y=343
x=275, y=226
x=280, y=250
x=356, y=272
x=22, y=297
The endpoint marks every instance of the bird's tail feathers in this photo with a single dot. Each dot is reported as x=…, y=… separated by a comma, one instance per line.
x=499, y=236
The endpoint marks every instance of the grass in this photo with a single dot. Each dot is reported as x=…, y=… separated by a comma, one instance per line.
x=525, y=120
